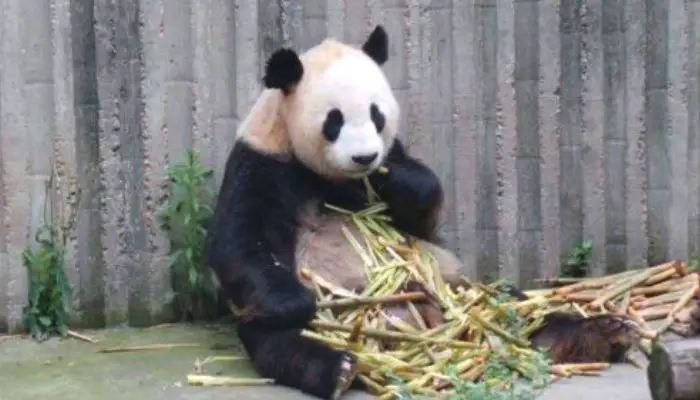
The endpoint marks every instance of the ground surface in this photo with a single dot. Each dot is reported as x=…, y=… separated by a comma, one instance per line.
x=69, y=370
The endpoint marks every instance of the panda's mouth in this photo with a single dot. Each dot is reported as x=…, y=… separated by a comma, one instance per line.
x=357, y=173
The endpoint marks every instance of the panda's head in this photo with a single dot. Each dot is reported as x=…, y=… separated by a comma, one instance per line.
x=339, y=111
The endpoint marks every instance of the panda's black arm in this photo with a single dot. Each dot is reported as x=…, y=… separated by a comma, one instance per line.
x=412, y=191
x=251, y=241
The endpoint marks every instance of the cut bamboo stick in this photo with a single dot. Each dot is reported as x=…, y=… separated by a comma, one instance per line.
x=148, y=347
x=365, y=301
x=210, y=380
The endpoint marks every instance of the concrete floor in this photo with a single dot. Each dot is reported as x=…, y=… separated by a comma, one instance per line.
x=70, y=369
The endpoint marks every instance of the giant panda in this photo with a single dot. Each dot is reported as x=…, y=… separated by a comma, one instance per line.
x=326, y=119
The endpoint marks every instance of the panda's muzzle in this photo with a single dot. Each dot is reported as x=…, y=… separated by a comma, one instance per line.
x=365, y=160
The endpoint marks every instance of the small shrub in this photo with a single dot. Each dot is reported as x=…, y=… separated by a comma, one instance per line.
x=48, y=308
x=578, y=263
x=185, y=217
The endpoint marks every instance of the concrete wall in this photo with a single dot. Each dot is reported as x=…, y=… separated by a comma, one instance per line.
x=579, y=119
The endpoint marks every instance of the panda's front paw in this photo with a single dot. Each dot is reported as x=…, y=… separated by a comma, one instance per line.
x=409, y=185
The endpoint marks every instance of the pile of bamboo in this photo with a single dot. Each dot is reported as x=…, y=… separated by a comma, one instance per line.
x=478, y=326
x=475, y=321
x=420, y=357
x=663, y=292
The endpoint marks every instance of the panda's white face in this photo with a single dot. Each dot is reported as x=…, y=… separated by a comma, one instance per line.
x=354, y=148
x=339, y=115
x=344, y=118
x=360, y=122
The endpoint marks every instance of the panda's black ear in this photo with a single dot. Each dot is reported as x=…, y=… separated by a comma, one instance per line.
x=377, y=45
x=283, y=70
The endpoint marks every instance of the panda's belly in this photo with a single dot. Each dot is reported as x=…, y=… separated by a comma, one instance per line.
x=323, y=249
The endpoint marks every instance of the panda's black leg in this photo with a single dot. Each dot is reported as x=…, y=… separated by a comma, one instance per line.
x=298, y=362
x=273, y=297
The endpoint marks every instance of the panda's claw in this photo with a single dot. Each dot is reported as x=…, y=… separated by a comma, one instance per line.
x=346, y=376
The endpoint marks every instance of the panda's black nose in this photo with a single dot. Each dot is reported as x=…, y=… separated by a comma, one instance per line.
x=366, y=159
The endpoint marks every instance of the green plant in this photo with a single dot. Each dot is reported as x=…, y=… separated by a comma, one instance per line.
x=508, y=376
x=578, y=263
x=511, y=321
x=185, y=216
x=501, y=380
x=48, y=308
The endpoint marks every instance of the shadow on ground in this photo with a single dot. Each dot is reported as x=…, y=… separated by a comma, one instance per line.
x=69, y=369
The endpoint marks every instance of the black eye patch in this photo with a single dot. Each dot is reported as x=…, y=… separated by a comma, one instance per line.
x=334, y=122
x=377, y=117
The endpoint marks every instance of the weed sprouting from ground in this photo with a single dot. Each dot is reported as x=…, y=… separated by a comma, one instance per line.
x=185, y=217
x=48, y=308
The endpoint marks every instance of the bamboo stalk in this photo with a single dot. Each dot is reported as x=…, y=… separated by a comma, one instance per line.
x=664, y=275
x=655, y=313
x=148, y=347
x=354, y=338
x=209, y=380
x=558, y=280
x=80, y=336
x=671, y=297
x=383, y=334
x=600, y=282
x=371, y=301
x=592, y=283
x=682, y=303
x=585, y=366
x=627, y=285
x=668, y=286
x=497, y=330
x=581, y=297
